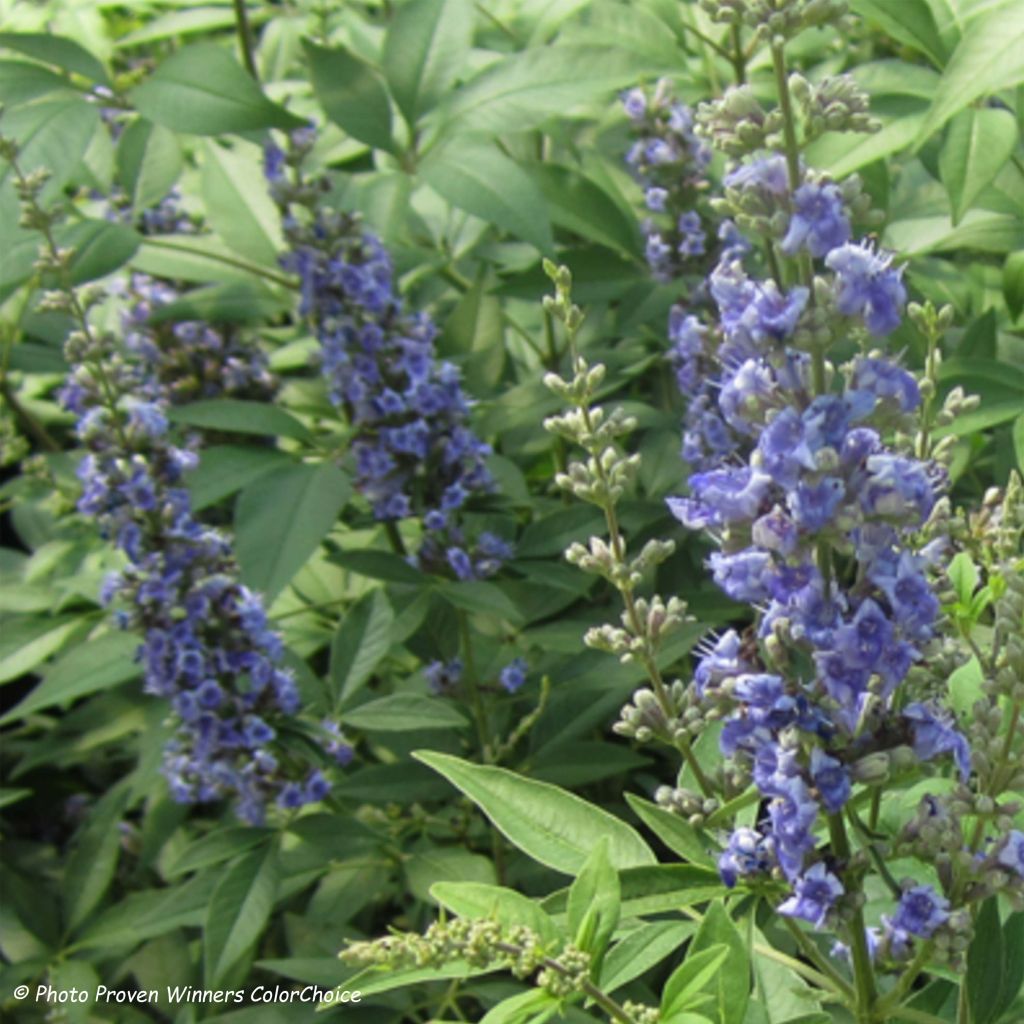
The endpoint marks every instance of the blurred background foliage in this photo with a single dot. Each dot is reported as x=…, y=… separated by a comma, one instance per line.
x=474, y=138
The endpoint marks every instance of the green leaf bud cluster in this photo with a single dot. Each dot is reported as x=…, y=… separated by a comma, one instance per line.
x=776, y=18
x=835, y=104
x=483, y=943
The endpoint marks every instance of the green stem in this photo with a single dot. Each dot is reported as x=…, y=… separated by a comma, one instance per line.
x=863, y=973
x=394, y=538
x=887, y=1005
x=739, y=58
x=815, y=956
x=230, y=261
x=473, y=685
x=28, y=422
x=788, y=118
x=245, y=41
x=923, y=445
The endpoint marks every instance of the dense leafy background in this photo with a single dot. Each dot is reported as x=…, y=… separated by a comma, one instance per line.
x=474, y=138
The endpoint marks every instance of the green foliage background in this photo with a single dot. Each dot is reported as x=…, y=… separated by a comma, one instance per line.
x=474, y=138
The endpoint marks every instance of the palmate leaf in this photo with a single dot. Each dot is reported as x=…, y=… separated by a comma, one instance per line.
x=476, y=176
x=553, y=827
x=988, y=58
x=424, y=50
x=978, y=144
x=238, y=911
x=352, y=94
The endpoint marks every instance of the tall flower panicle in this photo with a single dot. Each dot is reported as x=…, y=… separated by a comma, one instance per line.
x=819, y=506
x=208, y=646
x=415, y=452
x=670, y=163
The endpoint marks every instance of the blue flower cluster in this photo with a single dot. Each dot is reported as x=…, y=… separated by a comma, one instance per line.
x=815, y=515
x=208, y=648
x=670, y=163
x=415, y=453
x=189, y=360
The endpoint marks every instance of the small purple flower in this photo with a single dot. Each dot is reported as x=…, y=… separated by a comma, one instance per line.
x=921, y=912
x=766, y=174
x=815, y=894
x=819, y=222
x=634, y=103
x=513, y=675
x=443, y=676
x=742, y=575
x=1011, y=854
x=747, y=853
x=887, y=381
x=831, y=779
x=935, y=734
x=868, y=286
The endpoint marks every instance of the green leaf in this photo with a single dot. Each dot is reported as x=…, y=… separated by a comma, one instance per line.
x=978, y=143
x=985, y=965
x=53, y=133
x=480, y=596
x=520, y=92
x=424, y=50
x=640, y=950
x=227, y=468
x=1013, y=963
x=375, y=980
x=238, y=911
x=240, y=417
x=12, y=796
x=215, y=847
x=233, y=302
x=21, y=81
x=988, y=58
x=908, y=21
x=361, y=642
x=446, y=864
x=56, y=51
x=149, y=162
x=553, y=827
x=981, y=419
x=1018, y=441
x=406, y=712
x=202, y=90
x=963, y=574
x=686, y=982
x=580, y=205
x=44, y=639
x=76, y=974
x=280, y=520
x=380, y=565
x=534, y=1006
x=152, y=912
x=238, y=204
x=95, y=665
x=99, y=247
x=202, y=258
x=731, y=985
x=965, y=686
x=476, y=900
x=594, y=902
x=476, y=176
x=1013, y=284
x=678, y=835
x=93, y=861
x=351, y=94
